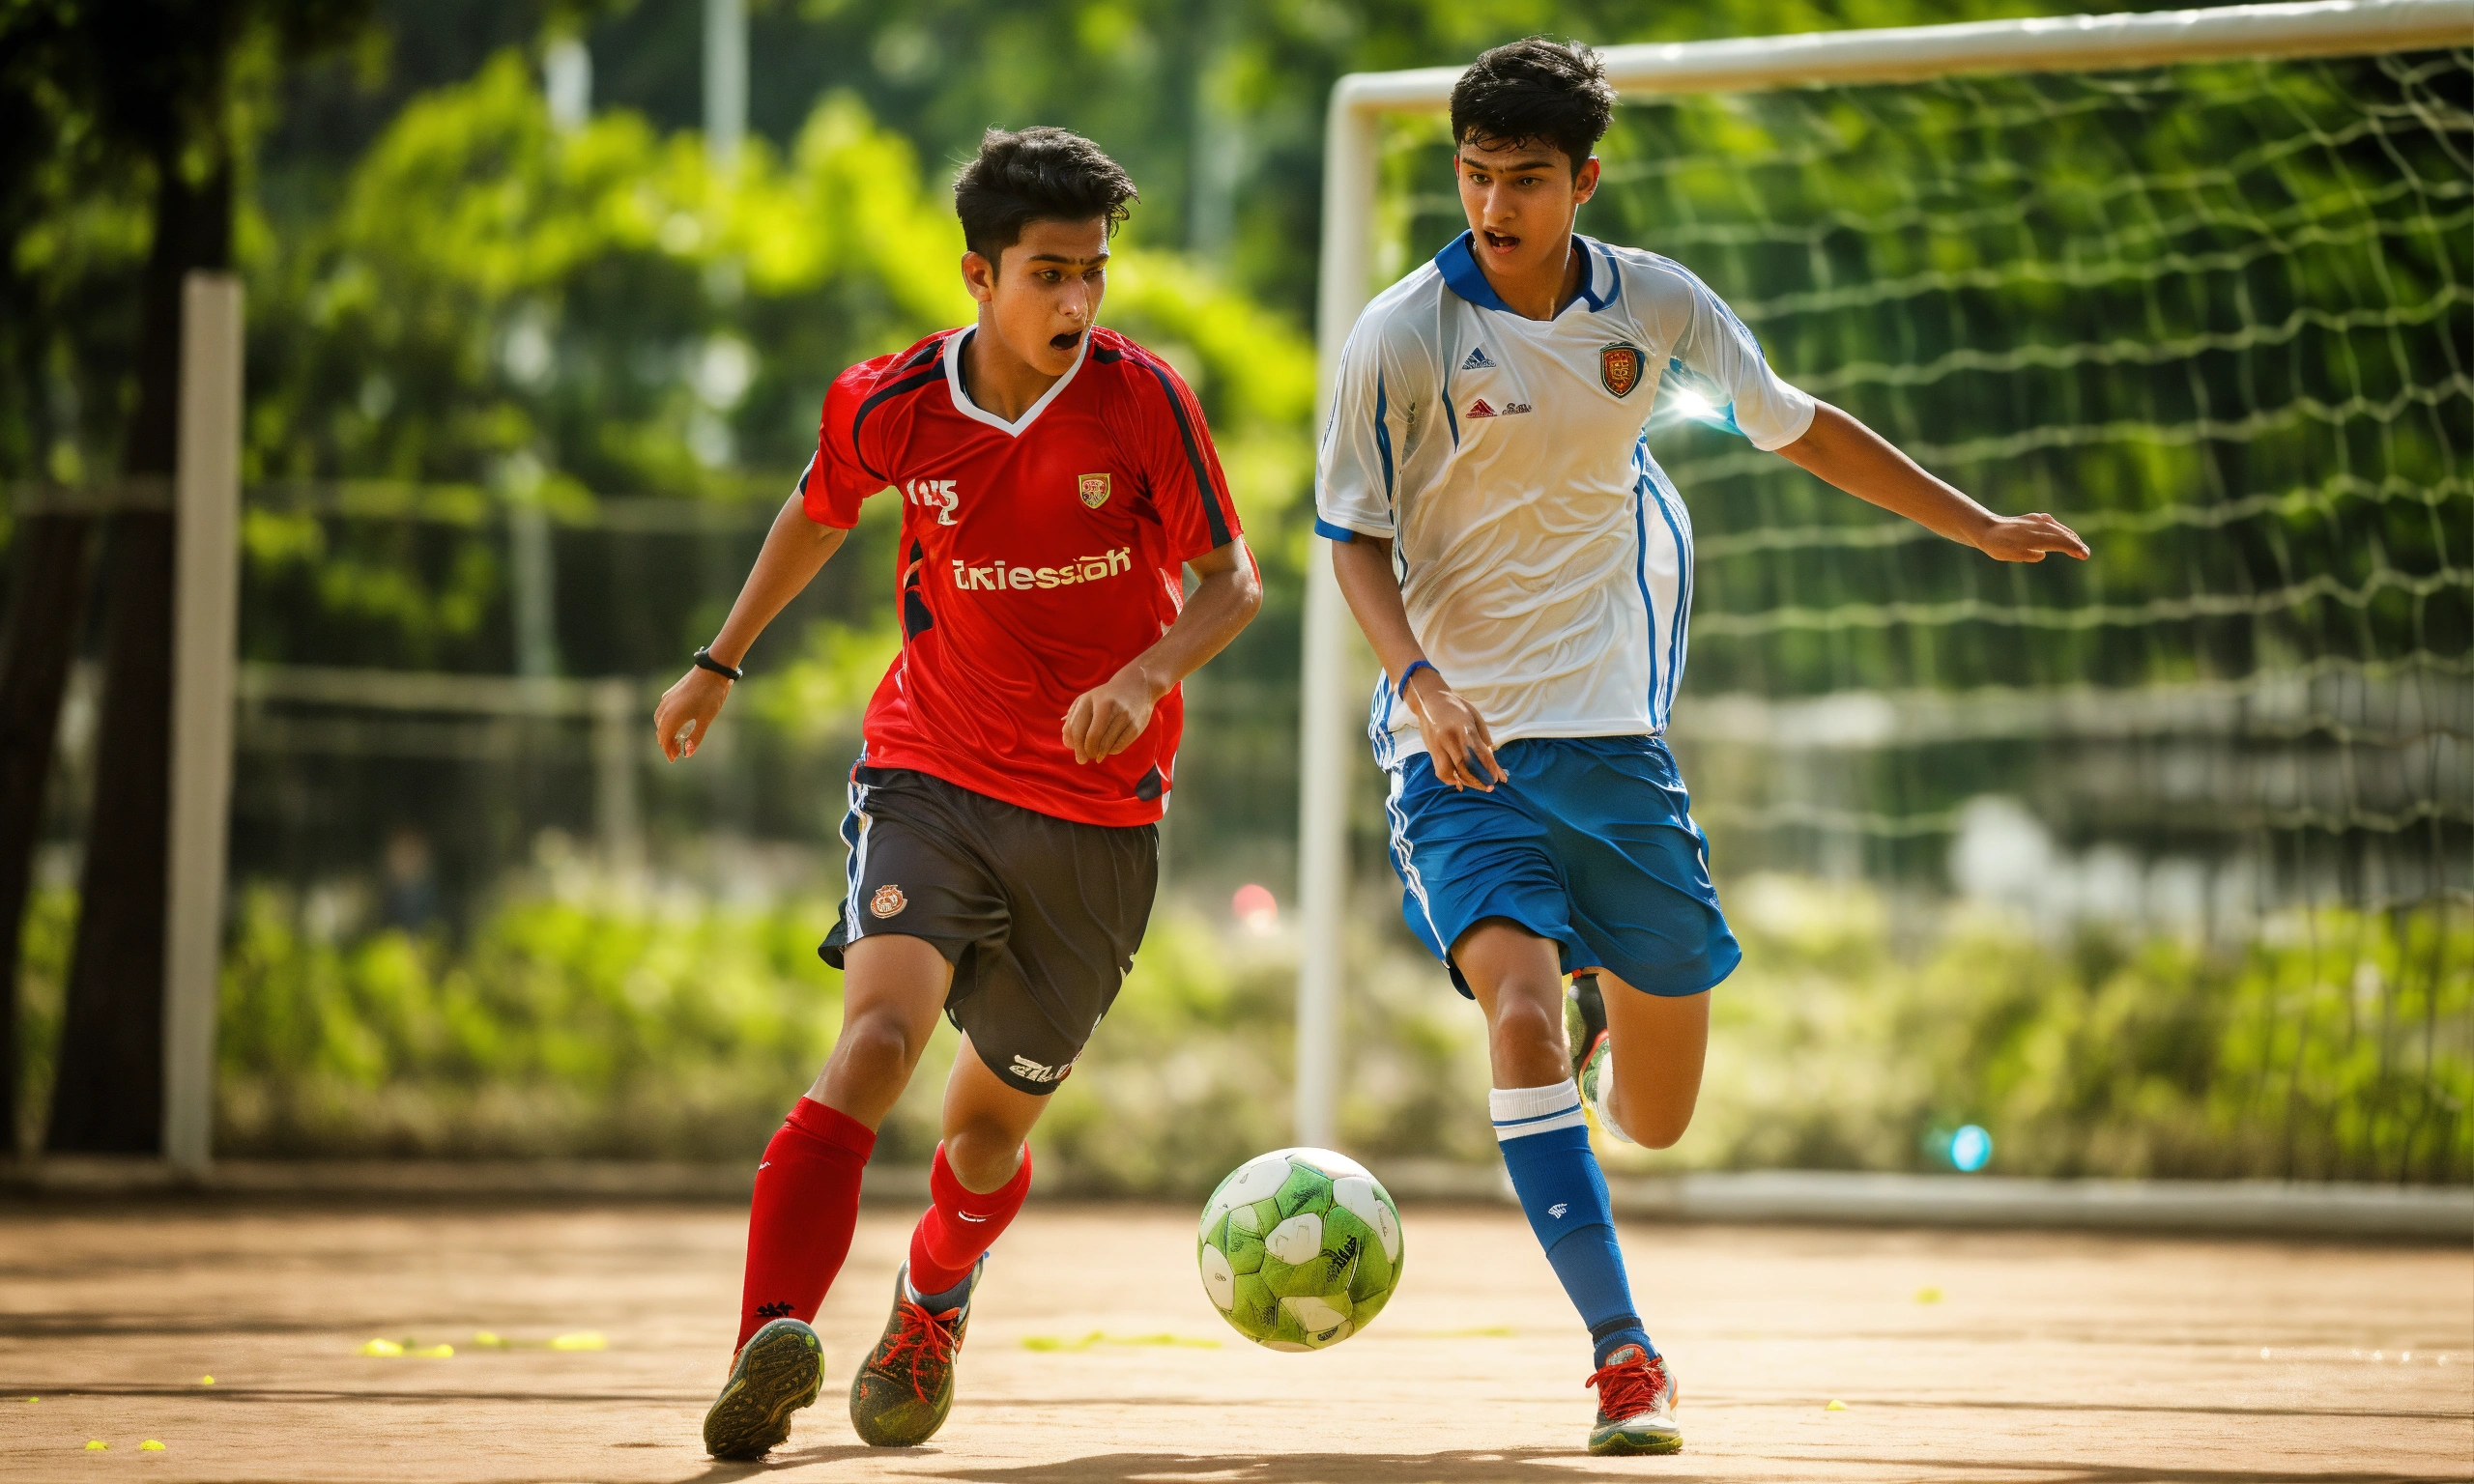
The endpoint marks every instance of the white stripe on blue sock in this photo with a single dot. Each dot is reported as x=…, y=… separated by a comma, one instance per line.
x=1521, y=1111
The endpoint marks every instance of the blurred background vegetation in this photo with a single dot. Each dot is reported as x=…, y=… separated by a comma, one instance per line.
x=531, y=364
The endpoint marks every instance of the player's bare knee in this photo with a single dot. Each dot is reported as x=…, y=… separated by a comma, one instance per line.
x=877, y=1049
x=1525, y=1030
x=983, y=1158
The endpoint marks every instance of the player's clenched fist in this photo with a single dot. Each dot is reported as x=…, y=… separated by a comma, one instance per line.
x=687, y=710
x=1105, y=722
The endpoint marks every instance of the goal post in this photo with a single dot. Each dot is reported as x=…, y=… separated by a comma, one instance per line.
x=1332, y=704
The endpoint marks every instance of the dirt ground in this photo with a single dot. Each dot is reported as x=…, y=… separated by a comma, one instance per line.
x=2100, y=1360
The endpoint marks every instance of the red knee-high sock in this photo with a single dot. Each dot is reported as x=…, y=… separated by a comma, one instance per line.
x=960, y=1224
x=798, y=1227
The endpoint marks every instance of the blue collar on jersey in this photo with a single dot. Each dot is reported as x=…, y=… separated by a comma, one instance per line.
x=1458, y=264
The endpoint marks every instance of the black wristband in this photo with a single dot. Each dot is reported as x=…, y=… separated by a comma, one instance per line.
x=704, y=661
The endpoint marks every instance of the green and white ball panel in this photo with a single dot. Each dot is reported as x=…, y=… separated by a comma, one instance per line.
x=1300, y=1248
x=1256, y=1180
x=1361, y=1197
x=1219, y=1279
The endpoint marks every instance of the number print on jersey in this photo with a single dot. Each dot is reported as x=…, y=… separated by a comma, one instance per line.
x=936, y=495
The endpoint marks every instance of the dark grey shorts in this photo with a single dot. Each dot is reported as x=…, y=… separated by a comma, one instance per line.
x=1038, y=916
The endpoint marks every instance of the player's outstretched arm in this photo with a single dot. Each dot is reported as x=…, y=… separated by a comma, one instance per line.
x=1852, y=456
x=794, y=550
x=1458, y=742
x=1105, y=720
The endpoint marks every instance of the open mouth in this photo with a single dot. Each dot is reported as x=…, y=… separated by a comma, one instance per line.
x=1497, y=241
x=1066, y=342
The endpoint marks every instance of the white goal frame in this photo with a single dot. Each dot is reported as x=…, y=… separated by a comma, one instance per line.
x=1330, y=747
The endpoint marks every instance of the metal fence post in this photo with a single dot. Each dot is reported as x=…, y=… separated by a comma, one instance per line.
x=205, y=600
x=1325, y=756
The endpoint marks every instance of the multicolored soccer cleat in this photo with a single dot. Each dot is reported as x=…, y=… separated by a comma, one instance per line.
x=902, y=1394
x=1636, y=1405
x=1587, y=1020
x=1598, y=1076
x=779, y=1370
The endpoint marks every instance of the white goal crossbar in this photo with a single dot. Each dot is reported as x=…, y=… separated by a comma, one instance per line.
x=1329, y=744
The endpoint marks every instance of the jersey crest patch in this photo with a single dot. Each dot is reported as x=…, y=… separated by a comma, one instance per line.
x=1476, y=361
x=1619, y=368
x=1094, y=490
x=887, y=901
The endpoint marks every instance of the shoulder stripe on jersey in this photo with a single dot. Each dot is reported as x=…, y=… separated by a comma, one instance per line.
x=1592, y=250
x=1213, y=515
x=932, y=376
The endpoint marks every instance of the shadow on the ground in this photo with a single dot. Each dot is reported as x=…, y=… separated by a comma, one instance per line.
x=447, y=1395
x=1471, y=1467
x=716, y=1471
x=1466, y=1465
x=2067, y=1472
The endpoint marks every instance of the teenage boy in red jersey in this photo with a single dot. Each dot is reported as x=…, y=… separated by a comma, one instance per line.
x=1056, y=481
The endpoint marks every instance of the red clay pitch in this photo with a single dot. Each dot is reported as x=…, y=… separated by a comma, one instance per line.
x=2096, y=1361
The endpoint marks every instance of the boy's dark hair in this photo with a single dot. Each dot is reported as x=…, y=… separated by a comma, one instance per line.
x=1039, y=174
x=1535, y=91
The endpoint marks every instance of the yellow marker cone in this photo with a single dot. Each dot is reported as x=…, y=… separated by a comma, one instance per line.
x=382, y=1348
x=30, y=1401
x=1835, y=1406
x=206, y=1381
x=1928, y=1296
x=486, y=1340
x=587, y=1339
x=149, y=1446
x=432, y=1352
x=95, y=1445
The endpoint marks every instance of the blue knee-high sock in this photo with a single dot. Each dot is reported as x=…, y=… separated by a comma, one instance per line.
x=1545, y=1145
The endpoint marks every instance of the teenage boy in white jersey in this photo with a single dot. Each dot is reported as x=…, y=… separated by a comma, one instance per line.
x=1524, y=569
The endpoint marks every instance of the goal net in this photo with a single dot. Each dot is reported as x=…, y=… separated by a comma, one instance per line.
x=2217, y=315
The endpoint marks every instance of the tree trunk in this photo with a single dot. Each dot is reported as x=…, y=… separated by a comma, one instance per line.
x=109, y=1097
x=38, y=640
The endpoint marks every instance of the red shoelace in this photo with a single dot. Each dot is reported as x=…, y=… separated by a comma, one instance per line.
x=1631, y=1388
x=921, y=1336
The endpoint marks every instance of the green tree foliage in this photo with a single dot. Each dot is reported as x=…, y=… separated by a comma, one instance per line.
x=118, y=124
x=1216, y=109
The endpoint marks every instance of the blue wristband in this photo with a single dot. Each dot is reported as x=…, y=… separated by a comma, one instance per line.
x=1401, y=687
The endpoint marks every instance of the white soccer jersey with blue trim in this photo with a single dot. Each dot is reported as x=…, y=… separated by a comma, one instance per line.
x=1544, y=558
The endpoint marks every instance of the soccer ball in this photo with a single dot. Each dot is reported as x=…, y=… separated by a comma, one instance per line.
x=1300, y=1248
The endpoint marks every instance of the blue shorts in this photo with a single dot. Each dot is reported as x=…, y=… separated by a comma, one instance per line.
x=1591, y=844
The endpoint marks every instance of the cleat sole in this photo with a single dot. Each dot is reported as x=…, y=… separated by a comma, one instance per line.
x=1623, y=1444
x=781, y=1370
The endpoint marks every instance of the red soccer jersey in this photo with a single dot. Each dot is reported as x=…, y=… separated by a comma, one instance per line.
x=1037, y=558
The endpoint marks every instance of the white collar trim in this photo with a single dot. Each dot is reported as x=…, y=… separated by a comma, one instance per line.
x=964, y=405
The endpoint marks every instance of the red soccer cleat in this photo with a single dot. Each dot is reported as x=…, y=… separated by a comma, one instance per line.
x=1636, y=1405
